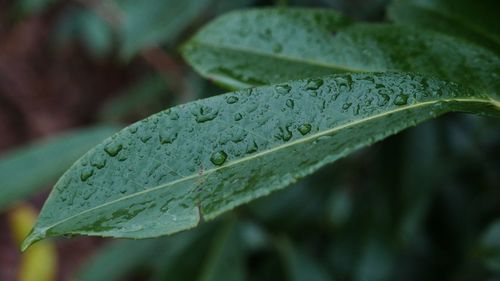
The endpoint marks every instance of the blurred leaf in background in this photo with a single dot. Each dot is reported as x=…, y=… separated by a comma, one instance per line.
x=26, y=170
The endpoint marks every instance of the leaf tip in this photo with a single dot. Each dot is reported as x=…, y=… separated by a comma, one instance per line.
x=34, y=236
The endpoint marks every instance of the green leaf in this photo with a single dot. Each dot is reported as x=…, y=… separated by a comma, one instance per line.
x=150, y=22
x=298, y=264
x=121, y=258
x=26, y=170
x=28, y=7
x=489, y=247
x=198, y=160
x=118, y=259
x=269, y=46
x=225, y=260
x=472, y=20
x=149, y=92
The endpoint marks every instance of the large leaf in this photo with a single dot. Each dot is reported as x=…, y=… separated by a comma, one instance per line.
x=476, y=21
x=198, y=160
x=27, y=169
x=268, y=46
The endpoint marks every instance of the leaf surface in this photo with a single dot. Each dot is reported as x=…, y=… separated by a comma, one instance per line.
x=267, y=46
x=195, y=161
x=25, y=170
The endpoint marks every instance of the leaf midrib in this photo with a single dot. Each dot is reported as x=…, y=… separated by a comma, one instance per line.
x=282, y=57
x=259, y=154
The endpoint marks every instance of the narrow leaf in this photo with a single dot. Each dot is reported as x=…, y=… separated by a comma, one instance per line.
x=25, y=170
x=198, y=160
x=225, y=261
x=268, y=46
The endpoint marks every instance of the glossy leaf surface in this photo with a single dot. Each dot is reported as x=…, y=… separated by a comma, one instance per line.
x=198, y=160
x=26, y=170
x=268, y=46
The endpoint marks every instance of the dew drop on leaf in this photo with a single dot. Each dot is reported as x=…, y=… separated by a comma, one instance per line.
x=252, y=147
x=231, y=99
x=167, y=135
x=314, y=84
x=304, y=129
x=218, y=158
x=283, y=89
x=401, y=99
x=284, y=134
x=237, y=117
x=205, y=114
x=86, y=173
x=346, y=105
x=98, y=161
x=113, y=149
x=383, y=97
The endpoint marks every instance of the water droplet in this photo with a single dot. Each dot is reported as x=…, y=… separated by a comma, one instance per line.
x=290, y=103
x=238, y=116
x=284, y=134
x=277, y=48
x=252, y=147
x=314, y=84
x=112, y=149
x=98, y=161
x=218, y=158
x=401, y=99
x=205, y=114
x=145, y=138
x=304, y=129
x=167, y=135
x=122, y=157
x=383, y=97
x=231, y=99
x=86, y=173
x=344, y=83
x=283, y=89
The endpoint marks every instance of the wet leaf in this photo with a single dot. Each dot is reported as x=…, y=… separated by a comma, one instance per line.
x=25, y=170
x=268, y=46
x=195, y=161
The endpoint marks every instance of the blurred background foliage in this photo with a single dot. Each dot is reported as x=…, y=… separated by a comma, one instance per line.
x=422, y=205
